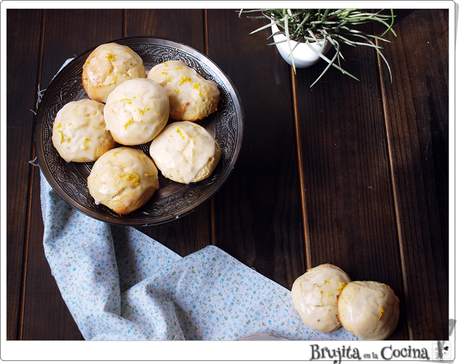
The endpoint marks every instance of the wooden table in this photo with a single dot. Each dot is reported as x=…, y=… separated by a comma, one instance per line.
x=351, y=173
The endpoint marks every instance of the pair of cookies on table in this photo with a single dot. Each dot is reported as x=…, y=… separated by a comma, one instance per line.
x=128, y=108
x=326, y=299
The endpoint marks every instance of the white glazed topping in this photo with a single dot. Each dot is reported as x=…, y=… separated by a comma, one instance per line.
x=122, y=174
x=113, y=63
x=184, y=146
x=136, y=111
x=315, y=298
x=373, y=310
x=79, y=132
x=186, y=88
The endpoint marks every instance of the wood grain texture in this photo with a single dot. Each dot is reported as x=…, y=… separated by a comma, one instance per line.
x=163, y=23
x=416, y=108
x=23, y=47
x=258, y=216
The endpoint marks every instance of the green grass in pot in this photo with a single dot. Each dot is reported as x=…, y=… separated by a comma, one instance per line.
x=337, y=26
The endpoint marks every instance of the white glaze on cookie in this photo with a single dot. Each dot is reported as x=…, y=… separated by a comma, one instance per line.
x=123, y=179
x=79, y=132
x=315, y=295
x=183, y=146
x=192, y=97
x=108, y=66
x=136, y=111
x=370, y=310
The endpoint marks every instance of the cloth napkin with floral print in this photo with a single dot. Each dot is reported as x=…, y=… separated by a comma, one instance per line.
x=120, y=284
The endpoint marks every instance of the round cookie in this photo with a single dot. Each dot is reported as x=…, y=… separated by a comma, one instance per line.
x=123, y=179
x=369, y=310
x=185, y=152
x=108, y=66
x=314, y=296
x=136, y=111
x=192, y=97
x=79, y=133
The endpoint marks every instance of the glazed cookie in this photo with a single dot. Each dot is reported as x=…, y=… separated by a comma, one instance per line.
x=136, y=111
x=123, y=179
x=108, y=66
x=79, y=133
x=185, y=152
x=369, y=310
x=314, y=296
x=192, y=97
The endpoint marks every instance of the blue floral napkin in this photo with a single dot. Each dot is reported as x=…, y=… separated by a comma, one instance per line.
x=120, y=284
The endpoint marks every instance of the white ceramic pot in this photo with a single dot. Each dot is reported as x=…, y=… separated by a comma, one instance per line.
x=303, y=55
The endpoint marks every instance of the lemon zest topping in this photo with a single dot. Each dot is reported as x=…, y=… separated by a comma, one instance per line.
x=95, y=176
x=380, y=315
x=342, y=284
x=329, y=294
x=178, y=68
x=149, y=174
x=114, y=154
x=328, y=282
x=128, y=123
x=84, y=143
x=164, y=73
x=169, y=80
x=136, y=179
x=70, y=124
x=180, y=132
x=183, y=80
x=143, y=156
x=177, y=91
x=57, y=127
x=111, y=57
x=126, y=99
x=62, y=136
x=142, y=111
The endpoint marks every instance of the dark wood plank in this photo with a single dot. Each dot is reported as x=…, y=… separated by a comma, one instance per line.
x=46, y=316
x=192, y=232
x=258, y=216
x=416, y=107
x=23, y=49
x=180, y=25
x=346, y=171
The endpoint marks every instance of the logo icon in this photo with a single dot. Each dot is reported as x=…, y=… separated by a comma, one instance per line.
x=442, y=350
